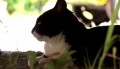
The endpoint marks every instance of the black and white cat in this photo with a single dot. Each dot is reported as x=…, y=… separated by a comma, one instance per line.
x=62, y=31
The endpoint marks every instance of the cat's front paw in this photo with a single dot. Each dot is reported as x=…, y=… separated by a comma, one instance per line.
x=41, y=62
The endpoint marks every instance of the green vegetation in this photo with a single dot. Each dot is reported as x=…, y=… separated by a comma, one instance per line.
x=9, y=63
x=62, y=62
x=24, y=5
x=109, y=38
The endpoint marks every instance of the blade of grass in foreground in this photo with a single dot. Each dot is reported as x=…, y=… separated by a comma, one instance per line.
x=61, y=62
x=31, y=57
x=107, y=44
x=114, y=57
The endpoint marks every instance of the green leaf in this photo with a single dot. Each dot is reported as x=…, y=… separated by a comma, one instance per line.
x=32, y=58
x=61, y=62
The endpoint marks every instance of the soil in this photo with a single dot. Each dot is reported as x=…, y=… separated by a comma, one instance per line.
x=22, y=60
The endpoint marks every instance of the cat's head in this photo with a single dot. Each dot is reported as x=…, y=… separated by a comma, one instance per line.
x=54, y=21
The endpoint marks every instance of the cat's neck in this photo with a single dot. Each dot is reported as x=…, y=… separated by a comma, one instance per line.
x=56, y=46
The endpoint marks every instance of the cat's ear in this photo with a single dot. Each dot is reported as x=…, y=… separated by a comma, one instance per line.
x=60, y=6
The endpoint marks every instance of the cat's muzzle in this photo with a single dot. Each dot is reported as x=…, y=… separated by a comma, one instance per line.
x=36, y=35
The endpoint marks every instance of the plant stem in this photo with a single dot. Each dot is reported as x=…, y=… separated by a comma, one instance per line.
x=107, y=46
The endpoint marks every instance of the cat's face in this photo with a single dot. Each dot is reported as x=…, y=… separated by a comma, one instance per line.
x=55, y=21
x=49, y=28
x=52, y=22
x=48, y=24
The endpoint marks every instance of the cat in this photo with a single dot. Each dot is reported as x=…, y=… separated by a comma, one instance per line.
x=62, y=32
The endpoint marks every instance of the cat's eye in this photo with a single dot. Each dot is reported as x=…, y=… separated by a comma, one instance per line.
x=39, y=23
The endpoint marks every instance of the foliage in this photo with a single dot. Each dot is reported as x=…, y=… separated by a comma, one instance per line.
x=10, y=61
x=10, y=6
x=25, y=5
x=31, y=58
x=30, y=4
x=61, y=62
x=109, y=38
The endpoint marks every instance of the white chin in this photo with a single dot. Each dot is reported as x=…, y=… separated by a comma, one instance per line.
x=37, y=36
x=40, y=37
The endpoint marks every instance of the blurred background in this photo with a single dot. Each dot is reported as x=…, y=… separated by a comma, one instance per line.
x=17, y=18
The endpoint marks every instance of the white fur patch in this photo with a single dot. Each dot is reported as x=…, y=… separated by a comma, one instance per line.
x=54, y=46
x=40, y=37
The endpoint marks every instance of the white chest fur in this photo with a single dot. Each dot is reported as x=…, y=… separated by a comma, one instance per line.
x=54, y=46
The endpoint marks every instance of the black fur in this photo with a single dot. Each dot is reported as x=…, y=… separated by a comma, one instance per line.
x=83, y=41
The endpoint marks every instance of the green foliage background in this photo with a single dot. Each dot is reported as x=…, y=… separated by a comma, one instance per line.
x=25, y=5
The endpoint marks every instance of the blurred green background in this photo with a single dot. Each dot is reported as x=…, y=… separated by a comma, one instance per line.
x=23, y=6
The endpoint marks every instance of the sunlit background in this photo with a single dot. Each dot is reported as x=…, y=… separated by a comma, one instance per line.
x=17, y=18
